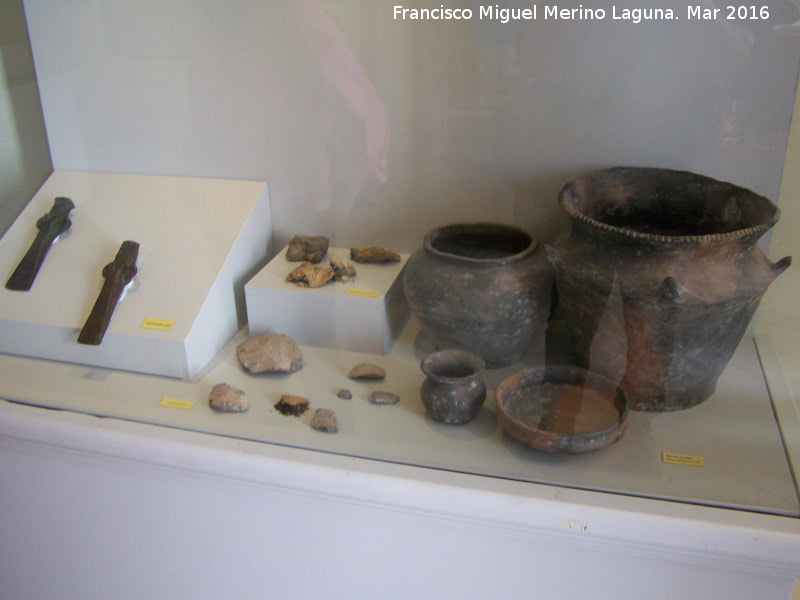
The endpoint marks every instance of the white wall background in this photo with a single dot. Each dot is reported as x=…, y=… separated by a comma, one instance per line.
x=487, y=121
x=24, y=155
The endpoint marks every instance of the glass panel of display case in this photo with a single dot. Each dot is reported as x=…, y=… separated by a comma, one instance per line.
x=385, y=125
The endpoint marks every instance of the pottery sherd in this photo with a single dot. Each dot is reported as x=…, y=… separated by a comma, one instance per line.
x=374, y=254
x=226, y=398
x=270, y=352
x=325, y=420
x=367, y=371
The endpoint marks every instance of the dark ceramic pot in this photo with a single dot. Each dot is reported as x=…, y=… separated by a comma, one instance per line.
x=481, y=287
x=659, y=278
x=453, y=391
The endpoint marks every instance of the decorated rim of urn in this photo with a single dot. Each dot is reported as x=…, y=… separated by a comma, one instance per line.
x=765, y=213
x=480, y=244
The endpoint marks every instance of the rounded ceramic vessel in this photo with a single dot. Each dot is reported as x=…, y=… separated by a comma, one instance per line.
x=453, y=391
x=659, y=278
x=481, y=287
x=562, y=409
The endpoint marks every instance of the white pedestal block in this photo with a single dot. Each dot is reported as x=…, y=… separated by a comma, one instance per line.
x=200, y=240
x=362, y=315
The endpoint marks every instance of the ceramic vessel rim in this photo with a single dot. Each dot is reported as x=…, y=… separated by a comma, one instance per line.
x=489, y=262
x=533, y=373
x=730, y=236
x=475, y=362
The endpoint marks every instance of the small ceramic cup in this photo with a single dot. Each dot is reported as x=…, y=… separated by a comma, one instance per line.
x=453, y=391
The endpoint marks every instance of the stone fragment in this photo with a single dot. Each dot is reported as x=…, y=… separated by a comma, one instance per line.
x=345, y=394
x=374, y=254
x=293, y=406
x=270, y=352
x=343, y=270
x=379, y=397
x=307, y=247
x=325, y=420
x=367, y=371
x=311, y=276
x=226, y=398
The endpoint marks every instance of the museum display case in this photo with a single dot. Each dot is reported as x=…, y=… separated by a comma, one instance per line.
x=633, y=368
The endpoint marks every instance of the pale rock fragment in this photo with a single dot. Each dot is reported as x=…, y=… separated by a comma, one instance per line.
x=379, y=397
x=343, y=270
x=311, y=276
x=307, y=247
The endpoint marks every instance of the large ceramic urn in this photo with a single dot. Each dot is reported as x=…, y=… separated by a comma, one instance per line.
x=659, y=278
x=481, y=287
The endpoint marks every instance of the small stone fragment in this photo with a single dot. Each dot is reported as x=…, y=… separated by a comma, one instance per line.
x=384, y=398
x=325, y=420
x=367, y=371
x=343, y=270
x=293, y=406
x=226, y=398
x=311, y=276
x=307, y=247
x=374, y=254
x=270, y=352
x=345, y=394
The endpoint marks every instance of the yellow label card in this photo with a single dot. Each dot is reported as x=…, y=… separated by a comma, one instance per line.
x=176, y=403
x=363, y=293
x=684, y=459
x=158, y=324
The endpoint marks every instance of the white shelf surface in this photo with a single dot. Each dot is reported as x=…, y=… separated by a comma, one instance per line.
x=735, y=431
x=193, y=261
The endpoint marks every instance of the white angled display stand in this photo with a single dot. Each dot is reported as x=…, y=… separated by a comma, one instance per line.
x=362, y=315
x=200, y=239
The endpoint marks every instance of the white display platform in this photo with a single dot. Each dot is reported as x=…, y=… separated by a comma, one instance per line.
x=207, y=516
x=362, y=315
x=735, y=432
x=200, y=240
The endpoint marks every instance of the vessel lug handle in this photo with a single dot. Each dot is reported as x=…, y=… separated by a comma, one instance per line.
x=781, y=265
x=669, y=289
x=550, y=252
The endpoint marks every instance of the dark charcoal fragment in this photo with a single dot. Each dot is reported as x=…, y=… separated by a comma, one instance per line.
x=293, y=406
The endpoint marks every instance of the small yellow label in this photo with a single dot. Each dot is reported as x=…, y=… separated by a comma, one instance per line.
x=158, y=324
x=684, y=459
x=176, y=403
x=363, y=293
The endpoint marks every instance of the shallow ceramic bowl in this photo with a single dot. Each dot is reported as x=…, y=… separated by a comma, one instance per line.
x=562, y=409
